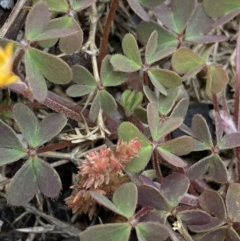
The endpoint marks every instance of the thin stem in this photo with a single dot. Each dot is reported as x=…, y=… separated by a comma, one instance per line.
x=157, y=167
x=55, y=146
x=106, y=31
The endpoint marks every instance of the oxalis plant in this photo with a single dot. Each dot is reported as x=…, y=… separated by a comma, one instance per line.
x=147, y=180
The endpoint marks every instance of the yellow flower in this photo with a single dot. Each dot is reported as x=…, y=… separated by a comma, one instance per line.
x=6, y=59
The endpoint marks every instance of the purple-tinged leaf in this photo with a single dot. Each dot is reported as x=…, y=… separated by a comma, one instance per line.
x=217, y=79
x=82, y=76
x=123, y=64
x=61, y=5
x=192, y=72
x=50, y=126
x=138, y=9
x=95, y=108
x=180, y=146
x=171, y=158
x=199, y=168
x=194, y=217
x=151, y=231
x=79, y=90
x=151, y=95
x=218, y=8
x=27, y=123
x=199, y=24
x=226, y=18
x=8, y=138
x=229, y=141
x=233, y=203
x=110, y=77
x=127, y=132
x=212, y=225
x=130, y=49
x=35, y=78
x=165, y=38
x=201, y=131
x=232, y=235
x=37, y=20
x=157, y=200
x=8, y=155
x=218, y=126
x=126, y=205
x=212, y=202
x=180, y=109
x=153, y=121
x=48, y=180
x=102, y=200
x=80, y=5
x=217, y=166
x=23, y=186
x=150, y=4
x=172, y=190
x=52, y=68
x=155, y=216
x=162, y=77
x=215, y=235
x=107, y=102
x=206, y=39
x=206, y=51
x=110, y=232
x=185, y=60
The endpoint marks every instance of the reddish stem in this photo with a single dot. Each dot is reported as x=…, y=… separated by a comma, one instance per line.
x=54, y=147
x=157, y=167
x=106, y=31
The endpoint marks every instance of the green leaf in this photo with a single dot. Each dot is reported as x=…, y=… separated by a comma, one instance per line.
x=141, y=114
x=217, y=79
x=185, y=60
x=9, y=155
x=80, y=5
x=34, y=174
x=127, y=132
x=61, y=5
x=82, y=76
x=180, y=108
x=8, y=138
x=229, y=141
x=35, y=78
x=153, y=121
x=201, y=131
x=52, y=68
x=123, y=64
x=171, y=158
x=232, y=202
x=138, y=9
x=107, y=102
x=218, y=8
x=107, y=232
x=162, y=77
x=179, y=146
x=37, y=20
x=126, y=205
x=151, y=95
x=95, y=108
x=171, y=189
x=165, y=38
x=130, y=49
x=50, y=126
x=151, y=231
x=110, y=77
x=27, y=123
x=79, y=90
x=150, y=4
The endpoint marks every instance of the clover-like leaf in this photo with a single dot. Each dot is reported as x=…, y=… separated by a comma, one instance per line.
x=138, y=9
x=109, y=77
x=80, y=5
x=126, y=205
x=61, y=5
x=180, y=109
x=33, y=175
x=212, y=202
x=9, y=155
x=229, y=141
x=37, y=20
x=232, y=202
x=153, y=121
x=127, y=132
x=171, y=158
x=217, y=79
x=108, y=103
x=27, y=123
x=82, y=76
x=151, y=231
x=116, y=231
x=201, y=131
x=95, y=107
x=182, y=145
x=185, y=60
x=52, y=68
x=157, y=200
x=163, y=78
x=171, y=190
x=218, y=8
